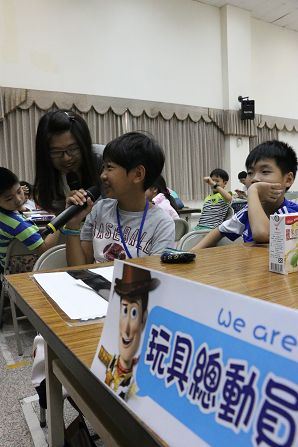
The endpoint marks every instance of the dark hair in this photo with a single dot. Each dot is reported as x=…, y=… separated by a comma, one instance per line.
x=161, y=186
x=220, y=173
x=242, y=174
x=47, y=179
x=283, y=154
x=133, y=149
x=7, y=180
x=29, y=186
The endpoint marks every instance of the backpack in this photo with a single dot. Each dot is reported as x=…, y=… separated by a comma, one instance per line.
x=77, y=434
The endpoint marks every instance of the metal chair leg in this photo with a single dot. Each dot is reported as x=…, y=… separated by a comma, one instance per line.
x=2, y=298
x=42, y=417
x=15, y=326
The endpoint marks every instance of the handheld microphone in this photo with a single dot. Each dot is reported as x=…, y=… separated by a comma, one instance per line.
x=73, y=180
x=93, y=192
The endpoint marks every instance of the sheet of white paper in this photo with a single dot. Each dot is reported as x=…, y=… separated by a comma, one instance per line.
x=76, y=299
x=106, y=272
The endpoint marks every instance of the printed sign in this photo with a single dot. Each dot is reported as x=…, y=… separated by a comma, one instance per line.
x=201, y=366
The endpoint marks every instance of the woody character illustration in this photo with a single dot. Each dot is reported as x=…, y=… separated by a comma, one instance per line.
x=133, y=290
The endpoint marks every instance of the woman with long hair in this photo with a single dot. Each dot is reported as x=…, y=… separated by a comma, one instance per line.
x=65, y=158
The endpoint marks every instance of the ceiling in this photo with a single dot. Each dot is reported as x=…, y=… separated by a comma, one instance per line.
x=283, y=13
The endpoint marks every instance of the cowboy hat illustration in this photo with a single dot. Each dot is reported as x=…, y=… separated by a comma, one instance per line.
x=135, y=281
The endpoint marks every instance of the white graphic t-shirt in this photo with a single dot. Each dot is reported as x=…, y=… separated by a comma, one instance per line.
x=101, y=227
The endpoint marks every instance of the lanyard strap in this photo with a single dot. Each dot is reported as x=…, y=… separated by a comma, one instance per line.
x=140, y=231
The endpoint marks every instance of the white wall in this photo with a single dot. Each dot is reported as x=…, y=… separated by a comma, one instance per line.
x=274, y=70
x=236, y=54
x=292, y=139
x=160, y=50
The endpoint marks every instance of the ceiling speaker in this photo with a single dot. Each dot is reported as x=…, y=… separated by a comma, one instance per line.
x=247, y=109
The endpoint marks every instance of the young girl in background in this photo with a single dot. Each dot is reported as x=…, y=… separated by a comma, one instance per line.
x=160, y=195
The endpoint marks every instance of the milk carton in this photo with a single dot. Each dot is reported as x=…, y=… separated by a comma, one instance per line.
x=283, y=250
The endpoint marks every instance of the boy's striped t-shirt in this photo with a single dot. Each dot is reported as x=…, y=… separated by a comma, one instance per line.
x=14, y=226
x=214, y=210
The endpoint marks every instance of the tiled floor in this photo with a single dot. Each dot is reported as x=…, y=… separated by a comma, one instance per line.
x=19, y=408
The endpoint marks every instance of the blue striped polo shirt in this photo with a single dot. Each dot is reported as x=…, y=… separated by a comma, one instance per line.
x=239, y=225
x=13, y=225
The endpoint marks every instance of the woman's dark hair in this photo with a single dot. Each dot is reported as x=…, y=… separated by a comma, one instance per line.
x=161, y=186
x=133, y=149
x=7, y=180
x=47, y=178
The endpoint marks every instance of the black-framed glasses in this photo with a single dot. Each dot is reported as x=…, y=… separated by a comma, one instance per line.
x=71, y=152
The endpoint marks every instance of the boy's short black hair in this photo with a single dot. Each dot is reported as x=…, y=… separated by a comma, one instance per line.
x=7, y=180
x=242, y=174
x=283, y=154
x=133, y=149
x=220, y=173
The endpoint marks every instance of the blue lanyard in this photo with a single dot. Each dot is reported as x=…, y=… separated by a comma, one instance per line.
x=140, y=231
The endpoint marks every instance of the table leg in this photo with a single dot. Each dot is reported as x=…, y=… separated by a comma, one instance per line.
x=54, y=403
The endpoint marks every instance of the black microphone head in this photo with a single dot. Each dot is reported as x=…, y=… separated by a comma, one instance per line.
x=94, y=192
x=73, y=180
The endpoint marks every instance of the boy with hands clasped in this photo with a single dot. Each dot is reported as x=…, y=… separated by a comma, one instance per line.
x=271, y=169
x=217, y=203
x=124, y=224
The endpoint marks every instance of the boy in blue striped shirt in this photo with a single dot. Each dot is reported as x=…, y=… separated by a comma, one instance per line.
x=271, y=170
x=13, y=225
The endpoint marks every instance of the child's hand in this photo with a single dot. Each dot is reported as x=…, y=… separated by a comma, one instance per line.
x=268, y=192
x=240, y=194
x=25, y=189
x=78, y=197
x=209, y=181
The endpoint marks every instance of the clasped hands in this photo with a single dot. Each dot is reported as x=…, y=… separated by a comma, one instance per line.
x=209, y=181
x=267, y=192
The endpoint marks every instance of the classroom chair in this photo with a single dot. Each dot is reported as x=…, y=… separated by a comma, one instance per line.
x=19, y=259
x=53, y=258
x=229, y=214
x=192, y=238
x=181, y=228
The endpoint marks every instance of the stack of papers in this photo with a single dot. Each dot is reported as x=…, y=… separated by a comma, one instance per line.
x=39, y=216
x=75, y=298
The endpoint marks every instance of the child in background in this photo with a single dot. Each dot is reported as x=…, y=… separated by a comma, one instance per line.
x=160, y=195
x=215, y=205
x=242, y=177
x=12, y=223
x=124, y=224
x=178, y=201
x=29, y=203
x=271, y=170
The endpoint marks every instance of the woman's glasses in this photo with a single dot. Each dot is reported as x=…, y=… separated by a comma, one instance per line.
x=72, y=152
